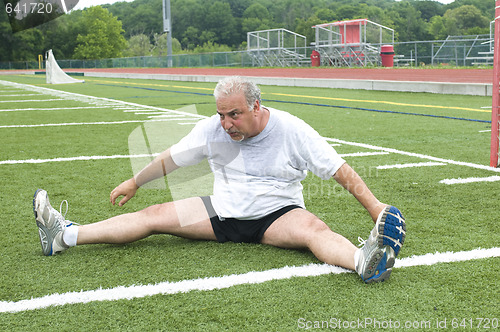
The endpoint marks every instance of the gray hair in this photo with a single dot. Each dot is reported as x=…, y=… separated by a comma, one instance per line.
x=233, y=84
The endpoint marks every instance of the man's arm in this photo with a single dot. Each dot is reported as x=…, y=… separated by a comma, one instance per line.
x=350, y=180
x=159, y=167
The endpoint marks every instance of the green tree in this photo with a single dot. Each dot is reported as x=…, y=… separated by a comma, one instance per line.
x=138, y=45
x=408, y=24
x=191, y=37
x=428, y=9
x=210, y=47
x=160, y=44
x=462, y=20
x=256, y=17
x=61, y=34
x=465, y=18
x=102, y=36
x=437, y=28
x=26, y=45
x=304, y=28
x=220, y=21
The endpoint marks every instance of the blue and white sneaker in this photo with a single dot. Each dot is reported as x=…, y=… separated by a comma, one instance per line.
x=51, y=223
x=378, y=254
x=392, y=227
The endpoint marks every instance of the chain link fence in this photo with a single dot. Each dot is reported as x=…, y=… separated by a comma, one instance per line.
x=453, y=51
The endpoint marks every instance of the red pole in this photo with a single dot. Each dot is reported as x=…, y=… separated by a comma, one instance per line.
x=495, y=111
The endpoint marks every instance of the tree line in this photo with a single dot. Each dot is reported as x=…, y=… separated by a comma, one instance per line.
x=136, y=28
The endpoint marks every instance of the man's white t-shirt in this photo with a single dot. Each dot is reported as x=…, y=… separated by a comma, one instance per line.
x=261, y=174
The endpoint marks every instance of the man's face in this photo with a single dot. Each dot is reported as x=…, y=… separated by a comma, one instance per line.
x=235, y=117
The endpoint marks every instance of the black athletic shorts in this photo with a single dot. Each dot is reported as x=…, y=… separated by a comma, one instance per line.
x=248, y=231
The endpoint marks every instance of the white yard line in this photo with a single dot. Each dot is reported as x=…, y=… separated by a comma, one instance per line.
x=93, y=100
x=470, y=180
x=425, y=164
x=417, y=155
x=363, y=154
x=22, y=95
x=31, y=101
x=94, y=123
x=79, y=158
x=227, y=281
x=51, y=108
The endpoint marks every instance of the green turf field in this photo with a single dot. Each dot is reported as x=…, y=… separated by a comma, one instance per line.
x=413, y=151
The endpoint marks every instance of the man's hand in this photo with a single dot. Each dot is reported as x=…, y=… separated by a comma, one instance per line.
x=127, y=189
x=350, y=180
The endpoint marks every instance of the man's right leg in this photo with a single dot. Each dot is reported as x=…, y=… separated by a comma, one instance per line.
x=187, y=218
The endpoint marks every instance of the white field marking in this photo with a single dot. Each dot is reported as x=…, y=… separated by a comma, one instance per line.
x=84, y=158
x=25, y=101
x=227, y=281
x=22, y=95
x=425, y=164
x=485, y=131
x=163, y=115
x=363, y=154
x=168, y=117
x=417, y=155
x=49, y=109
x=133, y=110
x=92, y=99
x=150, y=113
x=91, y=123
x=470, y=180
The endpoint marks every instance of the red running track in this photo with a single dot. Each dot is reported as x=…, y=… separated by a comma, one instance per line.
x=385, y=74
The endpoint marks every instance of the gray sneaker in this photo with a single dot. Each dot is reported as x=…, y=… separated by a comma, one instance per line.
x=375, y=260
x=379, y=252
x=50, y=222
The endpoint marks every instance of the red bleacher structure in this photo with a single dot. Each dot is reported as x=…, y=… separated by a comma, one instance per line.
x=352, y=43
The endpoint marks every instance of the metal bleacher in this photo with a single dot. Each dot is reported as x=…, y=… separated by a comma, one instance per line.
x=351, y=43
x=277, y=47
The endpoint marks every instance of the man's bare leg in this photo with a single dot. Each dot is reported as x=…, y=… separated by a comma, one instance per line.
x=186, y=218
x=300, y=229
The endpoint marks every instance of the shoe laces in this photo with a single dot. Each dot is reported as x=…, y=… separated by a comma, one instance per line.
x=361, y=241
x=63, y=221
x=60, y=208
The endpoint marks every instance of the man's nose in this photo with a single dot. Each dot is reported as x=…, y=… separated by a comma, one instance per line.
x=226, y=123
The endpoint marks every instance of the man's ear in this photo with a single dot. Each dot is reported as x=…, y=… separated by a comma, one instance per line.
x=256, y=107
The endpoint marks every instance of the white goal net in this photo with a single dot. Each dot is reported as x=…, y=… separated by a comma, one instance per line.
x=54, y=73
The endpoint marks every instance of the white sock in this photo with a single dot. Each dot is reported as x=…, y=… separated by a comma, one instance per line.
x=70, y=235
x=356, y=258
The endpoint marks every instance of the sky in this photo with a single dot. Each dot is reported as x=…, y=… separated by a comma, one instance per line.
x=88, y=3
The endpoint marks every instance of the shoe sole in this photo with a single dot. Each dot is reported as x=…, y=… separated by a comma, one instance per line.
x=392, y=229
x=382, y=266
x=34, y=204
x=43, y=232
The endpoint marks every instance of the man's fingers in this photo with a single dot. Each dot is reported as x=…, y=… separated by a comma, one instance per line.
x=112, y=197
x=124, y=200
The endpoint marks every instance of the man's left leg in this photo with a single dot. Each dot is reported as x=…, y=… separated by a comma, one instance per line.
x=300, y=229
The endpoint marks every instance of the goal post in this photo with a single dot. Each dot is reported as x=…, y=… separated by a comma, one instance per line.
x=495, y=110
x=54, y=74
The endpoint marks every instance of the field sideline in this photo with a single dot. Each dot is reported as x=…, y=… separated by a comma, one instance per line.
x=424, y=153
